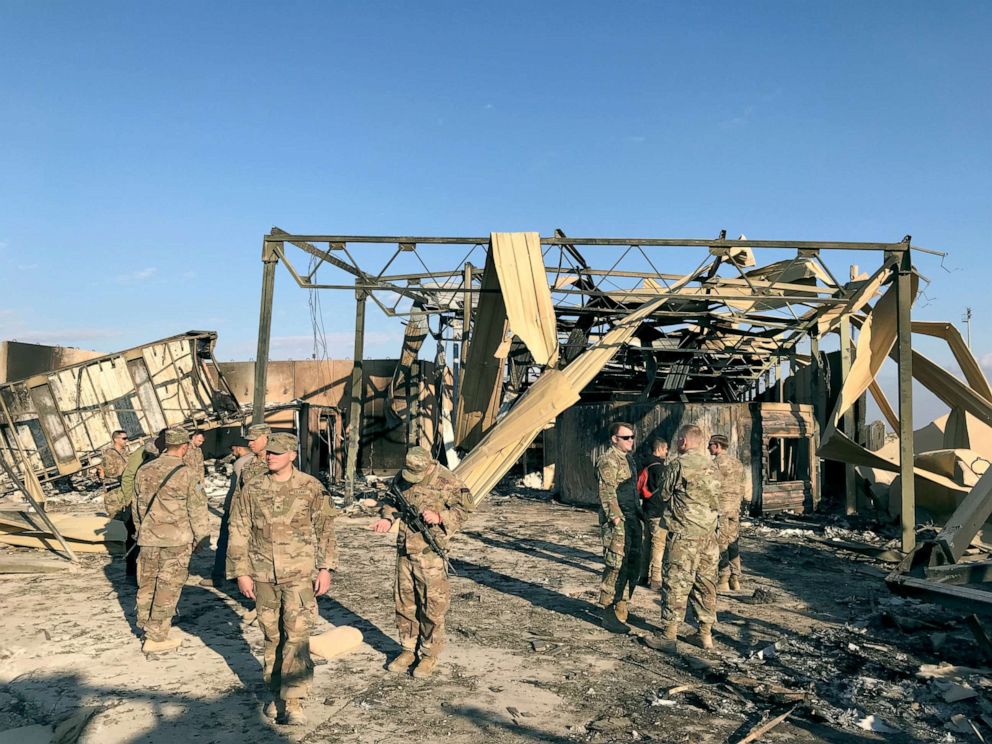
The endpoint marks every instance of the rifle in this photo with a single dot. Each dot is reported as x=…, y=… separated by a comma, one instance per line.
x=412, y=517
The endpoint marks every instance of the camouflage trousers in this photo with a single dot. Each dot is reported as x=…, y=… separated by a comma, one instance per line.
x=422, y=597
x=285, y=615
x=162, y=572
x=690, y=578
x=729, y=540
x=622, y=556
x=114, y=499
x=653, y=547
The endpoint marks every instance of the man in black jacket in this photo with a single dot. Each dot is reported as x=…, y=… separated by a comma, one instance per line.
x=654, y=533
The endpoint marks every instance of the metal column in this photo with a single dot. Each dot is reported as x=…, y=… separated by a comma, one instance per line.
x=269, y=260
x=904, y=358
x=357, y=391
x=848, y=422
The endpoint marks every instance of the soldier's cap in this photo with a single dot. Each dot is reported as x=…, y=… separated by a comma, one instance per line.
x=258, y=430
x=174, y=437
x=281, y=443
x=418, y=463
x=720, y=439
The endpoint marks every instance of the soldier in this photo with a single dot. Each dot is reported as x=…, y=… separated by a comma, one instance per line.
x=421, y=591
x=135, y=460
x=655, y=534
x=110, y=469
x=170, y=510
x=282, y=533
x=249, y=465
x=620, y=527
x=732, y=494
x=691, y=486
x=194, y=455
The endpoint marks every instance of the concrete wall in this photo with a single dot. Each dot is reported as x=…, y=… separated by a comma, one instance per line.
x=19, y=360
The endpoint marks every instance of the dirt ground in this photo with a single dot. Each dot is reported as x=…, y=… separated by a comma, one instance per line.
x=526, y=659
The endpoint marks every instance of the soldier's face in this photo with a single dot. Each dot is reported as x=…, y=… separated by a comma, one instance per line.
x=120, y=440
x=278, y=462
x=714, y=449
x=624, y=439
x=197, y=440
x=258, y=445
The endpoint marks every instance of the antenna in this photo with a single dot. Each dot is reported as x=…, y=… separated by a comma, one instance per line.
x=966, y=318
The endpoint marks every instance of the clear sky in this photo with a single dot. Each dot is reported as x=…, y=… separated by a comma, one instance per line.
x=146, y=147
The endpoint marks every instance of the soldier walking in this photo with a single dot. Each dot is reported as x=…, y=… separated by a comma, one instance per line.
x=731, y=496
x=421, y=591
x=282, y=552
x=620, y=527
x=692, y=487
x=170, y=510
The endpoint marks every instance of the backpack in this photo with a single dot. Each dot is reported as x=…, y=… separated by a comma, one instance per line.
x=642, y=484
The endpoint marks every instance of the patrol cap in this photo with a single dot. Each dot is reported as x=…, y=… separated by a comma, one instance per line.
x=175, y=437
x=720, y=439
x=418, y=462
x=281, y=443
x=258, y=430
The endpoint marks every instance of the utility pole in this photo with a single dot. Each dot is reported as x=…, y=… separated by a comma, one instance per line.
x=967, y=323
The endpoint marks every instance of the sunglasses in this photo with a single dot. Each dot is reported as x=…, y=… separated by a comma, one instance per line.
x=629, y=436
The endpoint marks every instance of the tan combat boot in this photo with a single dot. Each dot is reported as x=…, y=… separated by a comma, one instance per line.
x=425, y=667
x=148, y=646
x=735, y=583
x=620, y=610
x=665, y=640
x=612, y=623
x=723, y=585
x=293, y=714
x=402, y=663
x=705, y=636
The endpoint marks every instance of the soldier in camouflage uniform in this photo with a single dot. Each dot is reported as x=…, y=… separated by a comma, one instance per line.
x=731, y=496
x=282, y=552
x=620, y=527
x=151, y=449
x=113, y=460
x=691, y=487
x=246, y=469
x=170, y=510
x=421, y=591
x=194, y=455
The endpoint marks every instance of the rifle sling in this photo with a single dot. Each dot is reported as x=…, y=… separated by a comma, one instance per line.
x=160, y=487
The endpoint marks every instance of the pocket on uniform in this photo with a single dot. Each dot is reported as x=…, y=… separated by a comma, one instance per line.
x=613, y=559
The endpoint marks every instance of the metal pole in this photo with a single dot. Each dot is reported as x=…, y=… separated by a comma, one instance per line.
x=816, y=476
x=357, y=391
x=264, y=329
x=904, y=358
x=848, y=423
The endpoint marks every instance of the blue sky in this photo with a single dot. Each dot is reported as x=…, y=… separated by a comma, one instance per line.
x=145, y=148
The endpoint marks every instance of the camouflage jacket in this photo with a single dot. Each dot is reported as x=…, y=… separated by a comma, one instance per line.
x=281, y=531
x=113, y=463
x=135, y=460
x=194, y=458
x=692, y=489
x=732, y=483
x=441, y=491
x=617, y=485
x=177, y=515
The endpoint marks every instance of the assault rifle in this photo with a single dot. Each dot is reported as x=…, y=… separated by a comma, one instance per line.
x=411, y=516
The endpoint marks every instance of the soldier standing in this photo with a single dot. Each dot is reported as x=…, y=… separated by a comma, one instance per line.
x=247, y=467
x=421, y=592
x=692, y=488
x=112, y=464
x=620, y=527
x=282, y=533
x=135, y=460
x=654, y=505
x=731, y=497
x=170, y=510
x=194, y=455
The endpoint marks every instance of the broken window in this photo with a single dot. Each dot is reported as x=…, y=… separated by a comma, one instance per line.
x=784, y=456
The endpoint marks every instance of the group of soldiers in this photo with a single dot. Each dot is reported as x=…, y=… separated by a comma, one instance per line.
x=277, y=542
x=690, y=506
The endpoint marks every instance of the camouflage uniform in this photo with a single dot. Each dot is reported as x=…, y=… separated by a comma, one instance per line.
x=621, y=542
x=691, y=487
x=135, y=460
x=281, y=532
x=113, y=463
x=732, y=494
x=172, y=517
x=220, y=557
x=421, y=592
x=194, y=459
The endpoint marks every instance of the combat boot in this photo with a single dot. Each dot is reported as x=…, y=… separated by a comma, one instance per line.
x=705, y=636
x=735, y=583
x=293, y=714
x=271, y=709
x=612, y=623
x=402, y=663
x=425, y=667
x=665, y=640
x=148, y=646
x=620, y=610
x=723, y=585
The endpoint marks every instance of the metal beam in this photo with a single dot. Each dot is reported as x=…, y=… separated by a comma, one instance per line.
x=851, y=500
x=904, y=359
x=269, y=260
x=357, y=390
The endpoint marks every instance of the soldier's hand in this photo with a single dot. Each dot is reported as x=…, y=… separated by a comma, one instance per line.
x=616, y=520
x=246, y=586
x=381, y=525
x=322, y=583
x=430, y=516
